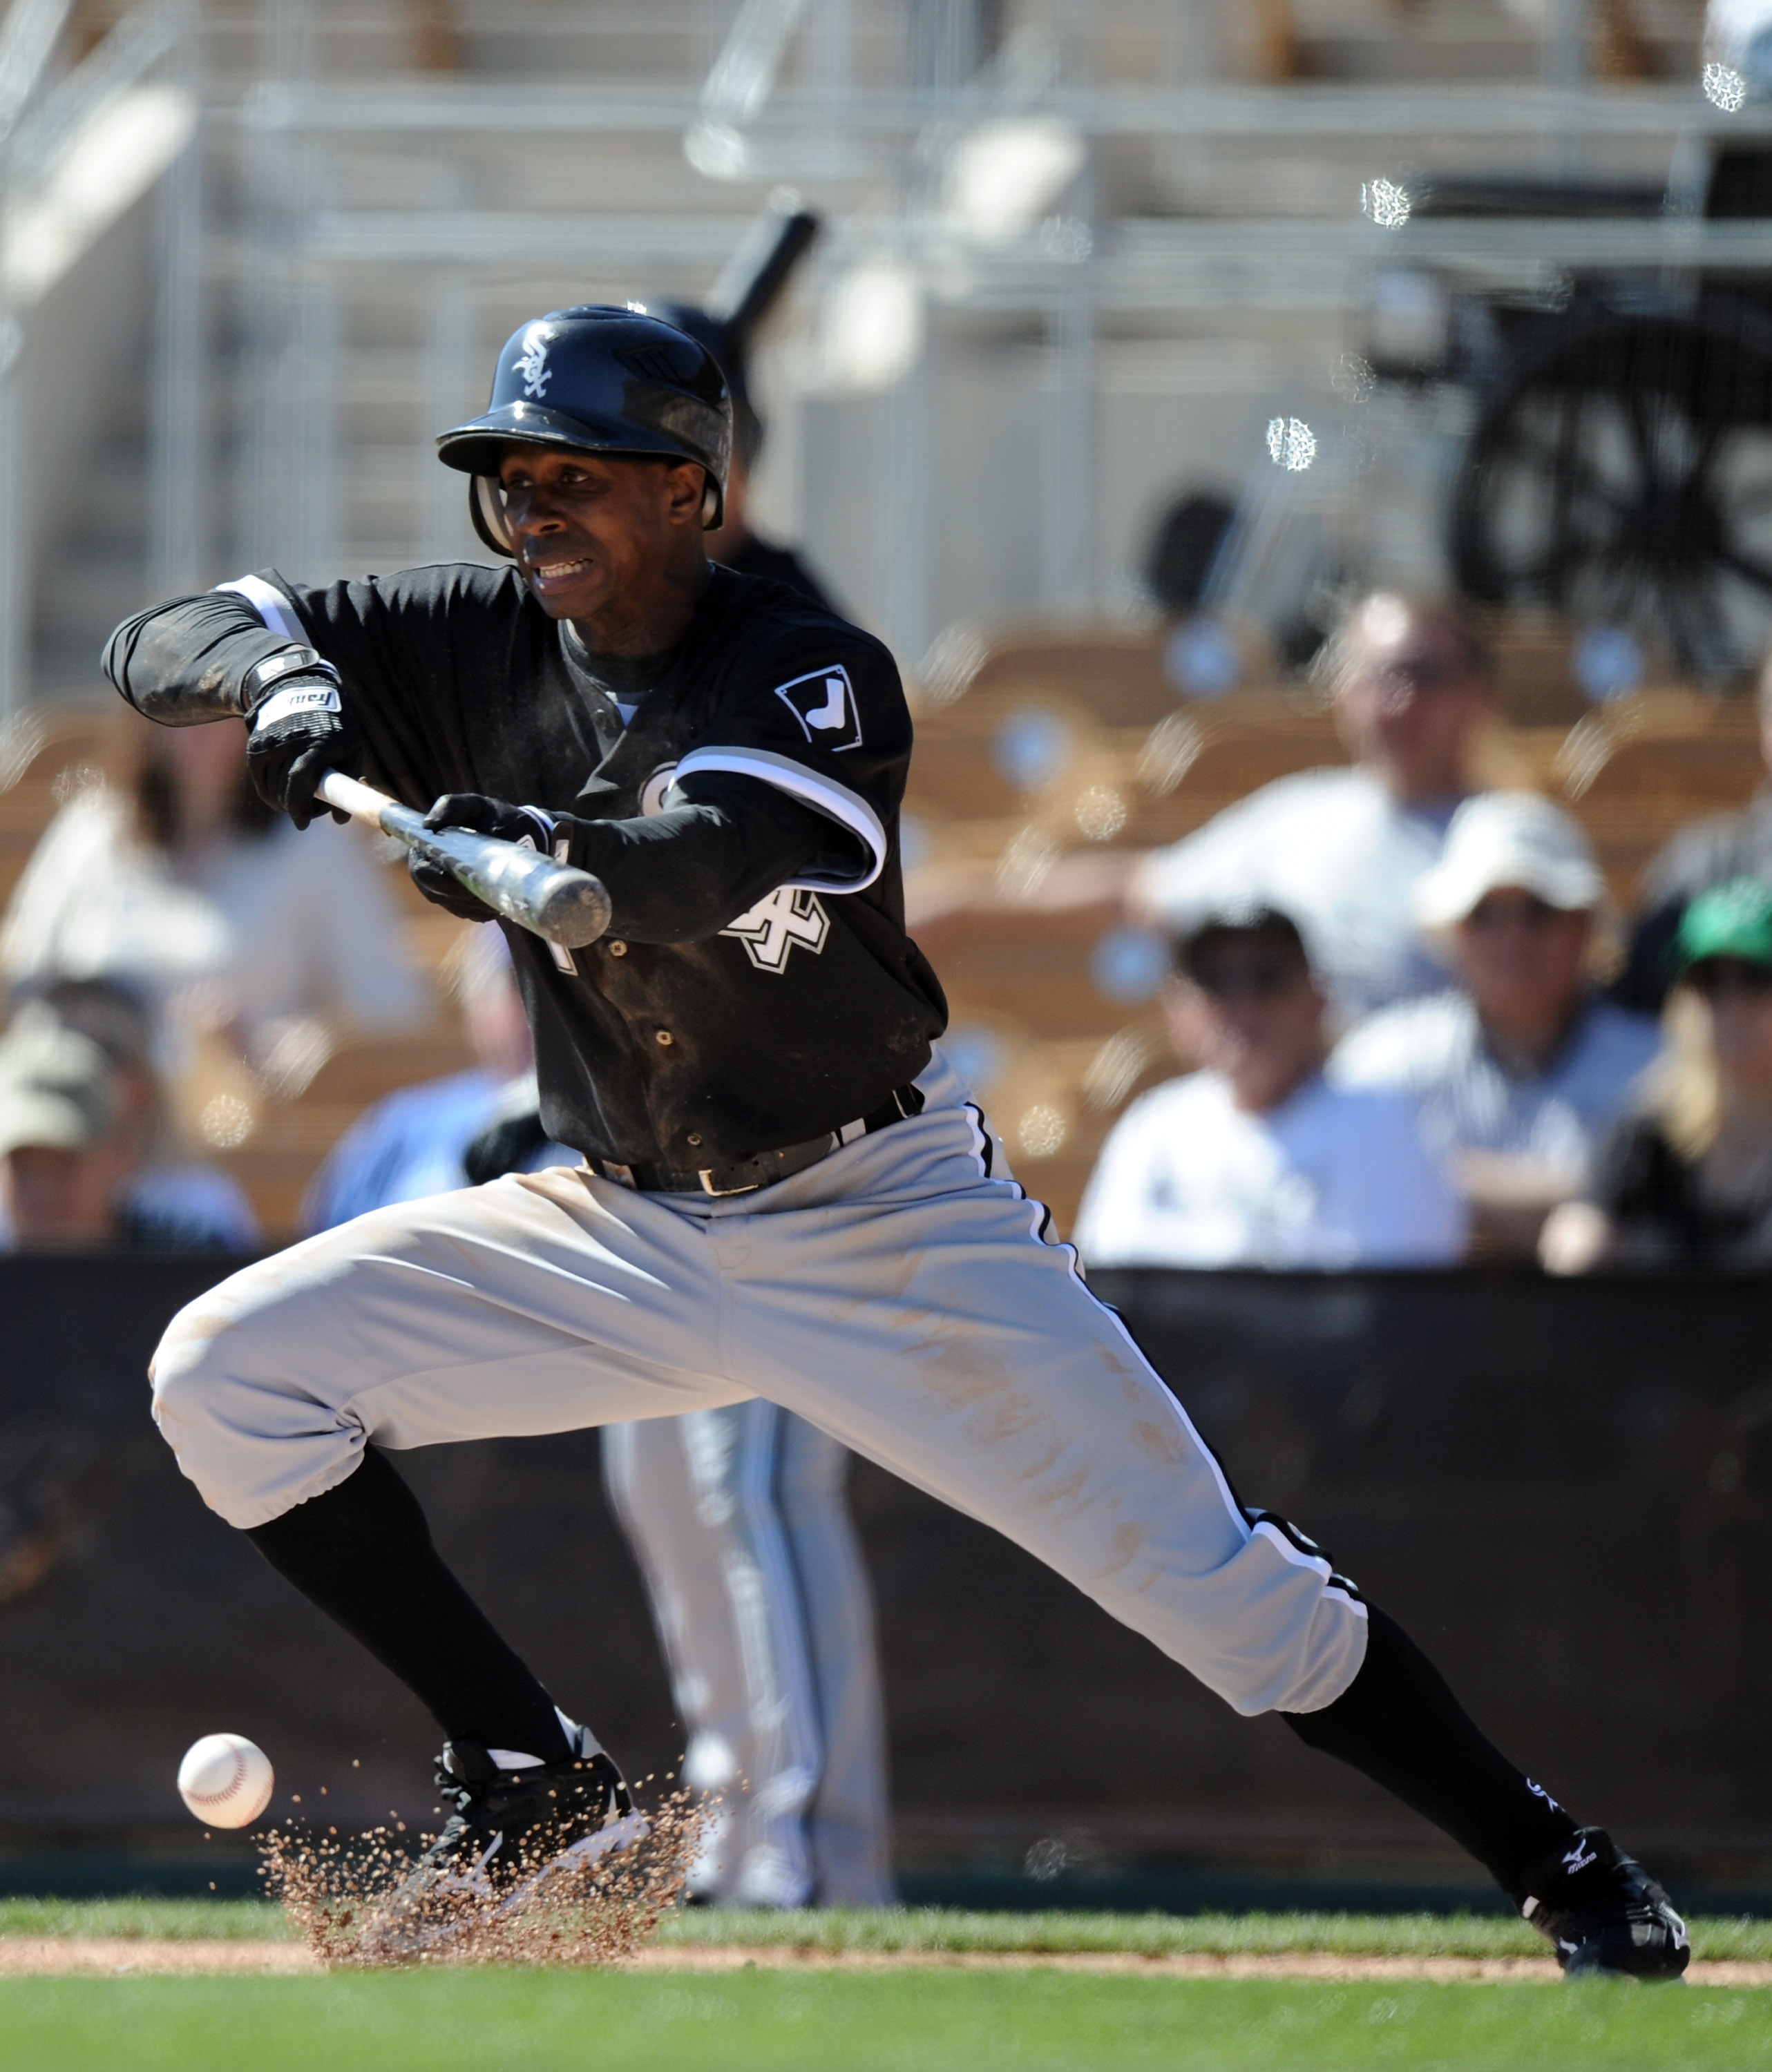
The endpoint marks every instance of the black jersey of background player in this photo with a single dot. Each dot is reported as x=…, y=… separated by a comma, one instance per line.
x=810, y=1004
x=781, y=565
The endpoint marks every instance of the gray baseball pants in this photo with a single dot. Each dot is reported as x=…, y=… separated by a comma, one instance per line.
x=900, y=1295
x=738, y=1518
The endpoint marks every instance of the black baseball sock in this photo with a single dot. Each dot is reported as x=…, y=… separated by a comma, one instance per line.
x=363, y=1553
x=1398, y=1723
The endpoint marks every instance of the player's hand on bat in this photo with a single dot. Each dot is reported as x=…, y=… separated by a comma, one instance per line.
x=291, y=744
x=480, y=816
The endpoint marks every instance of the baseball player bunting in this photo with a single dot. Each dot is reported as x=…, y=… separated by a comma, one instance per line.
x=787, y=1193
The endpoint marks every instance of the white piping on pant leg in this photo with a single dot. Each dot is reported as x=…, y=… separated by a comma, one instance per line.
x=1268, y=1530
x=789, y=1794
x=847, y=1822
x=1042, y=1217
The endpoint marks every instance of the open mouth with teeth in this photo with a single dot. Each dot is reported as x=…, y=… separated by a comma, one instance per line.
x=554, y=572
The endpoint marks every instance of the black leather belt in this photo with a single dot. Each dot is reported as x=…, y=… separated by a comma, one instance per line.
x=765, y=1169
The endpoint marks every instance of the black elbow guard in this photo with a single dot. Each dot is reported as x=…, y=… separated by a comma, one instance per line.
x=192, y=660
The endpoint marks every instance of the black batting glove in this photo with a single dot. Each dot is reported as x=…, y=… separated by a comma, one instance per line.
x=299, y=728
x=480, y=816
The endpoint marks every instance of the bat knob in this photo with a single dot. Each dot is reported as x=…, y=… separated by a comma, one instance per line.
x=573, y=911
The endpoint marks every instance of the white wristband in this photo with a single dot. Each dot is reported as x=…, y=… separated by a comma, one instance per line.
x=297, y=698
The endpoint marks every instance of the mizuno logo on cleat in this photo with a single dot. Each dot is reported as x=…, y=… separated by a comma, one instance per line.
x=1579, y=1858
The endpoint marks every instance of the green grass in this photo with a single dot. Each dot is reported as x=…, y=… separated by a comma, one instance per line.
x=902, y=2021
x=936, y=1930
x=178, y=1920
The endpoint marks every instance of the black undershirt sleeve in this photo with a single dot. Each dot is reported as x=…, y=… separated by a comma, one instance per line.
x=183, y=662
x=682, y=875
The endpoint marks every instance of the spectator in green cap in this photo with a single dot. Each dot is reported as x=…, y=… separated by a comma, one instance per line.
x=1687, y=1181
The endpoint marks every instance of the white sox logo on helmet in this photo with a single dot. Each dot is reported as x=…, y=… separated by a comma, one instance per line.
x=531, y=363
x=772, y=927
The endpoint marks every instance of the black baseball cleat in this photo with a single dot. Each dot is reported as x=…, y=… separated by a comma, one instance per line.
x=1603, y=1914
x=513, y=1831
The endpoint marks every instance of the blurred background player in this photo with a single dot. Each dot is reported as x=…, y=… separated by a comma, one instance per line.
x=737, y=1516
x=1257, y=1159
x=740, y=303
x=1520, y=1069
x=1341, y=849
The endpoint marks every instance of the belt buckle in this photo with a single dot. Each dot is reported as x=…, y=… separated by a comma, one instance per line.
x=705, y=1174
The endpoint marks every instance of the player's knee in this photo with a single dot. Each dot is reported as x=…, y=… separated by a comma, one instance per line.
x=179, y=1376
x=188, y=1374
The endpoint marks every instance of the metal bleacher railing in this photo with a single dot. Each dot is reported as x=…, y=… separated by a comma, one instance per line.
x=327, y=195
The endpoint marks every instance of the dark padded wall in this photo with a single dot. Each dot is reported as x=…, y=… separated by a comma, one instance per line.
x=1562, y=1489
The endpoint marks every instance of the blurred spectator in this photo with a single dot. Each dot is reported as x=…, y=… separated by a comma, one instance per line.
x=1520, y=1074
x=1687, y=1180
x=189, y=891
x=68, y=1152
x=1256, y=1161
x=165, y=1185
x=1341, y=849
x=1709, y=852
x=416, y=1141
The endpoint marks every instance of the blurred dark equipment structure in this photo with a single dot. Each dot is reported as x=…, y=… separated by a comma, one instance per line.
x=1184, y=549
x=1563, y=1487
x=1620, y=470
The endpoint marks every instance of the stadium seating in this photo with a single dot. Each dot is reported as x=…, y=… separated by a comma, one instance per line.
x=1046, y=761
x=1017, y=897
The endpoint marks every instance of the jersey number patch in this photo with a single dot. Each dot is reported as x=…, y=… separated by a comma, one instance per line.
x=824, y=703
x=770, y=931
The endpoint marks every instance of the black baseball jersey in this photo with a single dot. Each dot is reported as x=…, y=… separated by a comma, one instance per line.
x=781, y=565
x=757, y=986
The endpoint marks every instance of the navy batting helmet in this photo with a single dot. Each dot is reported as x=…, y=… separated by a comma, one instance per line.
x=598, y=380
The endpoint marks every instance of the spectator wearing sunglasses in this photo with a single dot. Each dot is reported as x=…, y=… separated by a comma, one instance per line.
x=1686, y=1181
x=1342, y=849
x=1520, y=1071
x=1256, y=1161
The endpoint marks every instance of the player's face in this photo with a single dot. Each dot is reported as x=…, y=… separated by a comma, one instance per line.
x=592, y=533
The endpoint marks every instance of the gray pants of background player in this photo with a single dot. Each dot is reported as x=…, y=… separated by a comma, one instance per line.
x=737, y=1518
x=900, y=1295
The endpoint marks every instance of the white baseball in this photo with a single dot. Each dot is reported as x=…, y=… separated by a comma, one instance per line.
x=226, y=1780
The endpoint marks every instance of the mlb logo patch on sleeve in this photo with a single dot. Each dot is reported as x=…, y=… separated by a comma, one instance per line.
x=824, y=703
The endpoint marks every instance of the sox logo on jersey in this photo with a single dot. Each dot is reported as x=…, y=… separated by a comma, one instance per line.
x=771, y=929
x=824, y=703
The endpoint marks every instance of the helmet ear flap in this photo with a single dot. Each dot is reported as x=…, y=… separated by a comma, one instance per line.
x=713, y=503
x=486, y=507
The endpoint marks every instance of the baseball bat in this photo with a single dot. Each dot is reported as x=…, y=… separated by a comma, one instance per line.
x=550, y=899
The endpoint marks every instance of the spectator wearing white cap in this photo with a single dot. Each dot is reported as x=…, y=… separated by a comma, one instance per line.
x=1256, y=1161
x=1342, y=849
x=1521, y=1069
